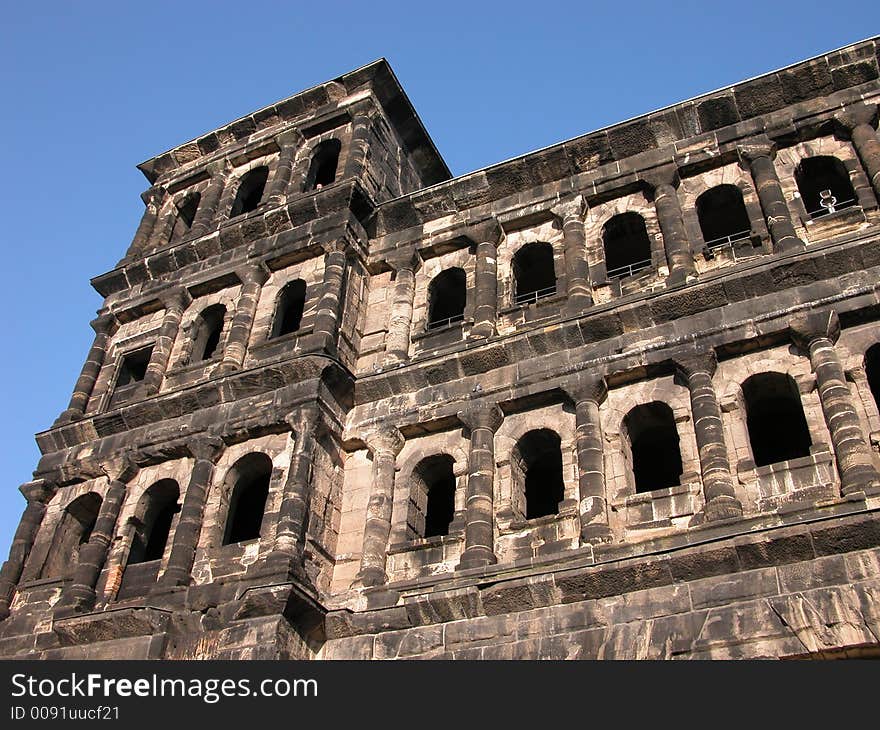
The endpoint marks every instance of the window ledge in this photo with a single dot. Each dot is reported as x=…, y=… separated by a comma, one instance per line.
x=425, y=543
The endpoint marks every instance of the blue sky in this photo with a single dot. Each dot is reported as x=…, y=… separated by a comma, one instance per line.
x=90, y=89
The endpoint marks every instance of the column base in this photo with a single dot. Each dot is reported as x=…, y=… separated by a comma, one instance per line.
x=596, y=533
x=477, y=557
x=370, y=578
x=173, y=579
x=790, y=245
x=576, y=305
x=864, y=479
x=723, y=508
x=481, y=331
x=680, y=276
x=286, y=564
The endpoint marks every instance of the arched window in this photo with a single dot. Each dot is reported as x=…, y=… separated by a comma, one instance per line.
x=627, y=246
x=536, y=461
x=159, y=505
x=208, y=330
x=872, y=370
x=247, y=502
x=654, y=447
x=775, y=417
x=723, y=216
x=824, y=185
x=250, y=191
x=432, y=497
x=322, y=170
x=133, y=368
x=74, y=530
x=289, y=308
x=534, y=273
x=186, y=214
x=447, y=295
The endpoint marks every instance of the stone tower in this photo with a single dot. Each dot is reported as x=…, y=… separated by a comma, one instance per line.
x=615, y=398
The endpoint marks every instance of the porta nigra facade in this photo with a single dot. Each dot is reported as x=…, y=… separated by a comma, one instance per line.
x=616, y=398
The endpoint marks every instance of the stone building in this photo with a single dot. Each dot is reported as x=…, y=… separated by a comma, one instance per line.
x=614, y=398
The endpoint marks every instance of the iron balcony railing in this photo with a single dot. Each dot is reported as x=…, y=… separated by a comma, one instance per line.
x=534, y=296
x=629, y=269
x=436, y=324
x=829, y=206
x=723, y=241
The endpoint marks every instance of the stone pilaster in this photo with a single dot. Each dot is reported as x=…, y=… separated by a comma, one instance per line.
x=154, y=199
x=664, y=182
x=206, y=215
x=815, y=334
x=385, y=444
x=397, y=340
x=288, y=143
x=694, y=370
x=487, y=235
x=176, y=300
x=104, y=326
x=482, y=420
x=79, y=596
x=587, y=393
x=329, y=310
x=571, y=216
x=252, y=279
x=758, y=155
x=206, y=450
x=37, y=493
x=858, y=123
x=293, y=515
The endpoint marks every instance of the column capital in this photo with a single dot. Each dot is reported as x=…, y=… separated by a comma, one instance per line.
x=205, y=447
x=289, y=138
x=585, y=387
x=384, y=439
x=105, y=324
x=807, y=328
x=574, y=209
x=177, y=297
x=485, y=231
x=761, y=146
x=255, y=273
x=154, y=196
x=121, y=468
x=854, y=116
x=409, y=260
x=690, y=362
x=304, y=419
x=38, y=490
x=660, y=176
x=481, y=415
x=335, y=246
x=219, y=168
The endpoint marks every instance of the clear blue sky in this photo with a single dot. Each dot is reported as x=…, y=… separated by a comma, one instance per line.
x=90, y=89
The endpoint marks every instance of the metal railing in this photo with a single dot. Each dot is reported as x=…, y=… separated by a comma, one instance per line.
x=830, y=205
x=534, y=296
x=436, y=324
x=723, y=241
x=628, y=270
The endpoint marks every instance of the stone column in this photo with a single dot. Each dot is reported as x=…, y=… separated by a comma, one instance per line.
x=758, y=156
x=359, y=146
x=104, y=326
x=664, y=182
x=176, y=300
x=815, y=334
x=571, y=215
x=252, y=279
x=288, y=144
x=385, y=444
x=154, y=199
x=207, y=211
x=482, y=420
x=293, y=515
x=330, y=304
x=79, y=596
x=206, y=450
x=695, y=370
x=37, y=493
x=857, y=121
x=487, y=235
x=400, y=325
x=588, y=392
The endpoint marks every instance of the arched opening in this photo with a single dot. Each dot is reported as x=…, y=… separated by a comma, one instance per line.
x=872, y=370
x=186, y=214
x=627, y=246
x=537, y=471
x=322, y=170
x=74, y=530
x=289, y=308
x=534, y=273
x=654, y=446
x=775, y=418
x=824, y=185
x=158, y=506
x=250, y=191
x=133, y=368
x=723, y=216
x=247, y=501
x=209, y=329
x=447, y=295
x=432, y=497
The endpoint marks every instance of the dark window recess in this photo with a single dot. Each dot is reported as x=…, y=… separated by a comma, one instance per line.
x=872, y=370
x=289, y=310
x=653, y=438
x=208, y=332
x=250, y=191
x=447, y=295
x=186, y=213
x=537, y=460
x=133, y=367
x=74, y=530
x=247, y=503
x=534, y=273
x=433, y=496
x=627, y=246
x=824, y=185
x=723, y=216
x=777, y=426
x=322, y=170
x=160, y=504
